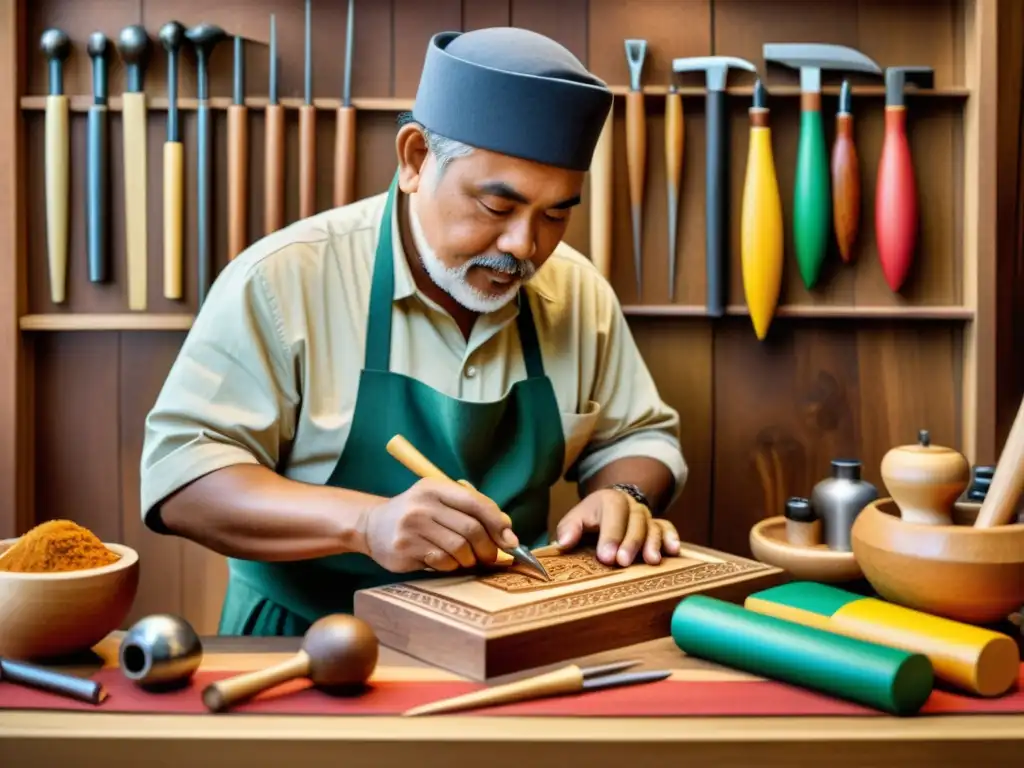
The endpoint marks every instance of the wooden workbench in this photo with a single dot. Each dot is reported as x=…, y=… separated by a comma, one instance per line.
x=88, y=740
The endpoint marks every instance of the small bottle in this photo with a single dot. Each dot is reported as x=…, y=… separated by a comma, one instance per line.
x=838, y=499
x=803, y=526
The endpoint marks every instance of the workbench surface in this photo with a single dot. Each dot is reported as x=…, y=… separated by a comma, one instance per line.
x=84, y=740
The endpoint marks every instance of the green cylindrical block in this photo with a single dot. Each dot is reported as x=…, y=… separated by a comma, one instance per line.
x=888, y=679
x=812, y=198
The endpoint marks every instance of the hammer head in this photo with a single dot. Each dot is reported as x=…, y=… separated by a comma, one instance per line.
x=716, y=68
x=811, y=58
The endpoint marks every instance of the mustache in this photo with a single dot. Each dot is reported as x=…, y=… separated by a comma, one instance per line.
x=504, y=262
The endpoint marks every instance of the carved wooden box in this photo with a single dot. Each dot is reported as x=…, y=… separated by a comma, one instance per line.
x=482, y=626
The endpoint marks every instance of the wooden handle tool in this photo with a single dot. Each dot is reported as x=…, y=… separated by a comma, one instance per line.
x=420, y=465
x=345, y=140
x=97, y=162
x=134, y=45
x=172, y=37
x=204, y=39
x=845, y=178
x=307, y=131
x=601, y=195
x=238, y=156
x=274, y=148
x=1003, y=496
x=560, y=682
x=636, y=150
x=674, y=174
x=56, y=46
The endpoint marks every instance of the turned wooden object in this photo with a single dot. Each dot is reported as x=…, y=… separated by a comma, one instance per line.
x=345, y=157
x=274, y=200
x=338, y=652
x=307, y=161
x=238, y=177
x=925, y=480
x=1000, y=505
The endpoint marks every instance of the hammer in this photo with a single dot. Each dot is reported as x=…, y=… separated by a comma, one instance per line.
x=716, y=69
x=812, y=199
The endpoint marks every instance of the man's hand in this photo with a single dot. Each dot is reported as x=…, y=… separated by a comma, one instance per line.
x=624, y=524
x=436, y=524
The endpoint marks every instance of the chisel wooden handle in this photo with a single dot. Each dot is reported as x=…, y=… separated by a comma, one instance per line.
x=307, y=160
x=845, y=179
x=174, y=202
x=636, y=162
x=58, y=155
x=345, y=157
x=97, y=191
x=601, y=191
x=674, y=172
x=811, y=198
x=274, y=200
x=133, y=106
x=1004, y=492
x=238, y=178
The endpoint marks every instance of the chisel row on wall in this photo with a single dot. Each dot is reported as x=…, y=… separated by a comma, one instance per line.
x=134, y=46
x=826, y=197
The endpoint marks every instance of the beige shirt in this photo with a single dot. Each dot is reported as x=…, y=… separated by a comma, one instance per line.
x=270, y=370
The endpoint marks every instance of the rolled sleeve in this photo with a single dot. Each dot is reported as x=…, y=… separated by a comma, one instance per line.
x=634, y=420
x=229, y=397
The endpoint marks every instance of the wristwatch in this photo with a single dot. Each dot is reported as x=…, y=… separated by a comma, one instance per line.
x=632, y=491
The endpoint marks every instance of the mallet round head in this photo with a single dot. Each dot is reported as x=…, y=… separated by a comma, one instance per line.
x=133, y=43
x=55, y=44
x=172, y=36
x=98, y=45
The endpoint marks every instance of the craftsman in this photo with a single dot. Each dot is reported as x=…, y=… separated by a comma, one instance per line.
x=447, y=310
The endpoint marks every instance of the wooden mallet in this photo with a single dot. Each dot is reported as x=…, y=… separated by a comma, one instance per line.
x=339, y=653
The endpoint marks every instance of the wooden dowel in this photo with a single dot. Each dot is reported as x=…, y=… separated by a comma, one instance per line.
x=238, y=179
x=274, y=207
x=174, y=201
x=307, y=160
x=345, y=157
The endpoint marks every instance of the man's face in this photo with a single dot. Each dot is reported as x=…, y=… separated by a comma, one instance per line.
x=489, y=221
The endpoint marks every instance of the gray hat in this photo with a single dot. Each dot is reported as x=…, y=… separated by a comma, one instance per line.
x=515, y=92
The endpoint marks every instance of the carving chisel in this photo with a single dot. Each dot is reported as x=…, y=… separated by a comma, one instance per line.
x=761, y=229
x=172, y=37
x=307, y=131
x=274, y=148
x=845, y=178
x=133, y=43
x=345, y=140
x=601, y=191
x=238, y=155
x=896, y=192
x=674, y=173
x=636, y=149
x=97, y=164
x=204, y=39
x=55, y=44
x=421, y=466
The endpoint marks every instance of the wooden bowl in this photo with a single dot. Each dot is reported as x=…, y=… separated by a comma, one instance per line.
x=45, y=615
x=818, y=563
x=974, y=575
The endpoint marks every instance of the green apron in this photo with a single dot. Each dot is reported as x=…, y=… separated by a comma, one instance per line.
x=511, y=449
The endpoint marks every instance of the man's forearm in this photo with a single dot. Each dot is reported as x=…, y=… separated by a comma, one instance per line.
x=649, y=475
x=252, y=513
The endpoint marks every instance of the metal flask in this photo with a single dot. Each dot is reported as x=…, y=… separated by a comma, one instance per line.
x=161, y=651
x=838, y=499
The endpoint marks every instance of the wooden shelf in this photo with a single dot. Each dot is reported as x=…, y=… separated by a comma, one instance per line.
x=182, y=322
x=82, y=102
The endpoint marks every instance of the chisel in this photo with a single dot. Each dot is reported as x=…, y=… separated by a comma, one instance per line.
x=133, y=43
x=601, y=192
x=204, y=39
x=307, y=131
x=238, y=156
x=674, y=173
x=636, y=149
x=845, y=178
x=761, y=229
x=274, y=148
x=56, y=46
x=172, y=37
x=97, y=164
x=896, y=192
x=345, y=139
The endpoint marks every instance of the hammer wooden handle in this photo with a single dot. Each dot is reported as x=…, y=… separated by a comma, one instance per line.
x=58, y=152
x=601, y=191
x=307, y=160
x=133, y=110
x=345, y=157
x=174, y=202
x=238, y=178
x=224, y=693
x=636, y=166
x=274, y=205
x=674, y=171
x=1000, y=504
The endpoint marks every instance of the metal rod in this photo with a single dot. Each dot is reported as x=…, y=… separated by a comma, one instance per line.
x=309, y=53
x=238, y=78
x=272, y=90
x=346, y=96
